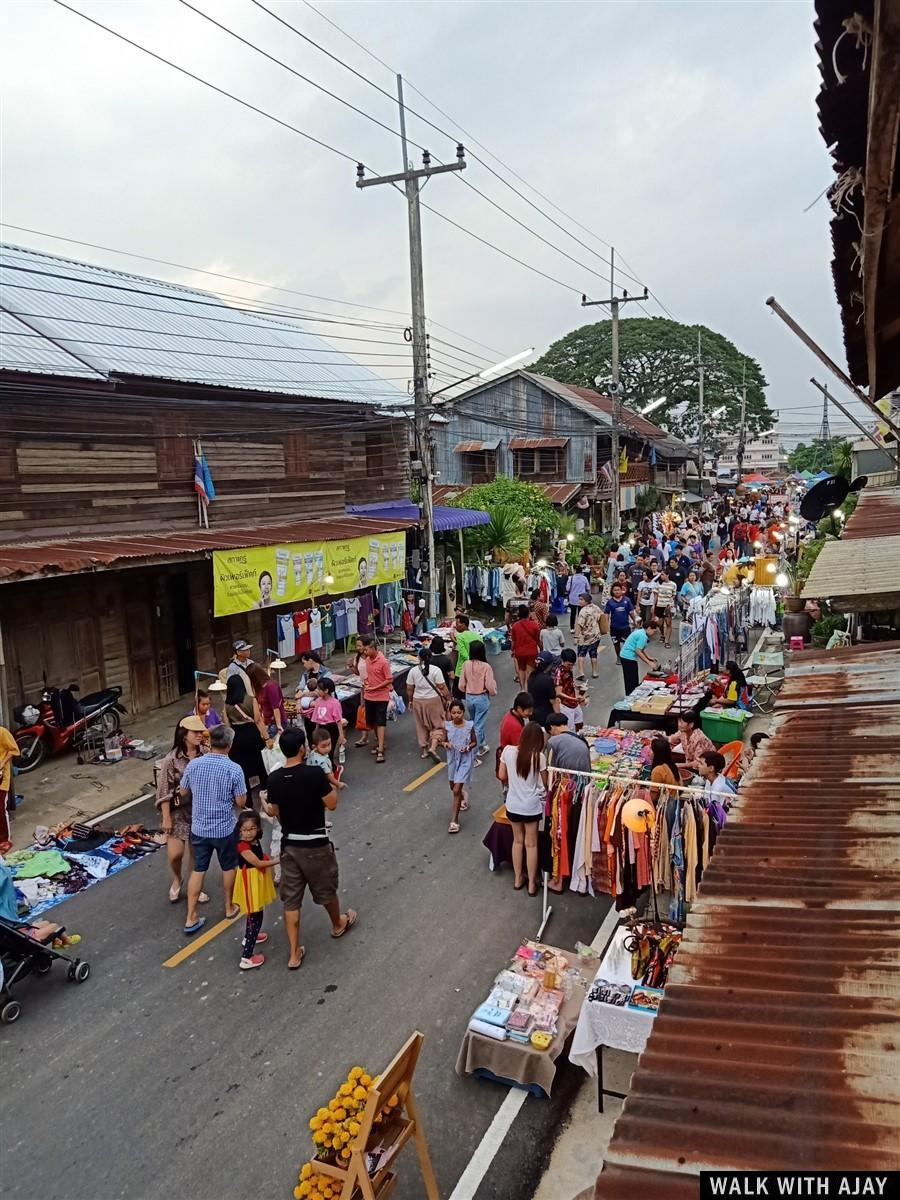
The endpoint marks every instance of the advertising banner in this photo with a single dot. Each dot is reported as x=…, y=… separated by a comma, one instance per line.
x=266, y=576
x=363, y=561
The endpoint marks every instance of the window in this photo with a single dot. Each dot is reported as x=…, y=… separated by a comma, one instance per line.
x=479, y=466
x=174, y=447
x=588, y=464
x=546, y=462
x=296, y=455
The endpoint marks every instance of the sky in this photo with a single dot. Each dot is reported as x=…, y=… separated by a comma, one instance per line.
x=685, y=134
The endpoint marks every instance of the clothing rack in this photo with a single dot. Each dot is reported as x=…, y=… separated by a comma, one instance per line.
x=670, y=787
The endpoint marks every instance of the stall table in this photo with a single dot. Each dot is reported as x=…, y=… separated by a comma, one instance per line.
x=600, y=1024
x=517, y=1065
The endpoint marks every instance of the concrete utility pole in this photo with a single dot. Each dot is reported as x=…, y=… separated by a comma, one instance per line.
x=422, y=410
x=614, y=302
x=700, y=399
x=742, y=432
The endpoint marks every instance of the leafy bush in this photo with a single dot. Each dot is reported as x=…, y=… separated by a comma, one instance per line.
x=826, y=626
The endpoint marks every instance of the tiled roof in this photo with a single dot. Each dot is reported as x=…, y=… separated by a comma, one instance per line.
x=69, y=318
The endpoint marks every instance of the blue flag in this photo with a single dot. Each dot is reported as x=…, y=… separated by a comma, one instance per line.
x=203, y=481
x=652, y=459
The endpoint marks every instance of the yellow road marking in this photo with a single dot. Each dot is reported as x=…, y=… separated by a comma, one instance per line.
x=411, y=787
x=199, y=942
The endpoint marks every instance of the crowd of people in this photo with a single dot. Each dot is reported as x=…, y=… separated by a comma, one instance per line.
x=219, y=765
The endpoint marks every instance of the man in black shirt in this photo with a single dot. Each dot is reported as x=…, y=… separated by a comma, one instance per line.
x=298, y=797
x=542, y=689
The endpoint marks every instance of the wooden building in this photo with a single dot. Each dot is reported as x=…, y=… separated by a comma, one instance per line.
x=107, y=381
x=558, y=436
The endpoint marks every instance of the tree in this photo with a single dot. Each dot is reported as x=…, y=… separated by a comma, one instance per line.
x=658, y=358
x=505, y=498
x=833, y=454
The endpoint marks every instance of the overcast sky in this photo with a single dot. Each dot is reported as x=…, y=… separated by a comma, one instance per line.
x=683, y=133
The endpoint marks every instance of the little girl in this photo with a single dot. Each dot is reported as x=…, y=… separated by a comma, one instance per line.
x=320, y=756
x=253, y=887
x=459, y=737
x=326, y=710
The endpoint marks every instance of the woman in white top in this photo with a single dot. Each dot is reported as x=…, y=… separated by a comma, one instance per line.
x=523, y=768
x=428, y=697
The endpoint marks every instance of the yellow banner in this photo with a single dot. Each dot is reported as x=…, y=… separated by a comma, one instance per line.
x=268, y=576
x=363, y=561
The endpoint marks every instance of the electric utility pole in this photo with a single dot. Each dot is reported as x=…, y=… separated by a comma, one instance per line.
x=422, y=410
x=615, y=302
x=742, y=432
x=700, y=398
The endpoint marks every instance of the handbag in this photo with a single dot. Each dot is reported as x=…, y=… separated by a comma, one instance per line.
x=604, y=622
x=360, y=723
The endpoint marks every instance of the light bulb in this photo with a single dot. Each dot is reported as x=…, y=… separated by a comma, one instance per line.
x=771, y=568
x=570, y=537
x=541, y=563
x=329, y=579
x=781, y=579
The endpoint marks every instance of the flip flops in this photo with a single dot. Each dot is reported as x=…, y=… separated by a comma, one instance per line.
x=351, y=916
x=297, y=966
x=196, y=927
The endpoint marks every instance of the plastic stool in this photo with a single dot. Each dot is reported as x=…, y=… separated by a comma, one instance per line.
x=796, y=643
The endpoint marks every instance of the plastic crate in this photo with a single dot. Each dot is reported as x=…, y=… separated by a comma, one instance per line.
x=720, y=728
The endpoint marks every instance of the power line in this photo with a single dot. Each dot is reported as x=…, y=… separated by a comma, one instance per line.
x=206, y=83
x=293, y=128
x=444, y=132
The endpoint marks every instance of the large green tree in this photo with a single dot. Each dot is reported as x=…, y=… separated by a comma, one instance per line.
x=833, y=454
x=658, y=358
x=519, y=510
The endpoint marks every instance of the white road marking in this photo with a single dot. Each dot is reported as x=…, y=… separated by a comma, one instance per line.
x=487, y=1148
x=113, y=811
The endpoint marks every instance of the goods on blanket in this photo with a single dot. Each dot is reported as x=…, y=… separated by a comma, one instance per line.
x=519, y=1005
x=606, y=992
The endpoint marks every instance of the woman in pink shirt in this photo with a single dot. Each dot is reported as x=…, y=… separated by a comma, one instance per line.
x=326, y=711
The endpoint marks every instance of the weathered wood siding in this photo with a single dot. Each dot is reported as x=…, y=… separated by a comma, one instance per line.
x=518, y=408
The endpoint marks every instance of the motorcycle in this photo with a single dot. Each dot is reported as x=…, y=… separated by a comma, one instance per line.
x=62, y=721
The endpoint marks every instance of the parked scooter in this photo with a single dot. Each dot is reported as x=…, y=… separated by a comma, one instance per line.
x=61, y=722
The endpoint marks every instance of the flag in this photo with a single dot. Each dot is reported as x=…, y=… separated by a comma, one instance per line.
x=652, y=459
x=606, y=473
x=623, y=462
x=203, y=481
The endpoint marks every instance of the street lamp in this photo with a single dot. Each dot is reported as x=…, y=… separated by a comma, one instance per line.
x=781, y=579
x=653, y=405
x=500, y=367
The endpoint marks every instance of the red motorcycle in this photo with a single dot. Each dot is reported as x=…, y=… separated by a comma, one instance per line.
x=62, y=722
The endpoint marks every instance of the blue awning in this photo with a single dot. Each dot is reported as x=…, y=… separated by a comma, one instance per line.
x=445, y=518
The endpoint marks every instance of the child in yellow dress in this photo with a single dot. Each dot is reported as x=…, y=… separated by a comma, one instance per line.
x=254, y=887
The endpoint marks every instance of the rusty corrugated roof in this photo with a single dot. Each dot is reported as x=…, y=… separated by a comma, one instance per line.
x=29, y=559
x=777, y=1045
x=864, y=674
x=877, y=515
x=559, y=493
x=547, y=443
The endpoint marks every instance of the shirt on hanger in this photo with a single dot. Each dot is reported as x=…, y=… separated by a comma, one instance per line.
x=301, y=628
x=315, y=629
x=341, y=629
x=353, y=606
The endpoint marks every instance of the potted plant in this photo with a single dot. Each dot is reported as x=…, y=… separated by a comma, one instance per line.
x=793, y=600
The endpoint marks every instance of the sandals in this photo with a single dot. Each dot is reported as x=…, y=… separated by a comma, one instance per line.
x=379, y=756
x=453, y=827
x=175, y=892
x=533, y=893
x=297, y=966
x=359, y=744
x=517, y=887
x=434, y=754
x=351, y=916
x=196, y=927
x=230, y=914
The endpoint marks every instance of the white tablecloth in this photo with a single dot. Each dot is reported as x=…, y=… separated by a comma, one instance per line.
x=602, y=1024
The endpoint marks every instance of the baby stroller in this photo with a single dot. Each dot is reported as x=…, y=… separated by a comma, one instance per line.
x=22, y=955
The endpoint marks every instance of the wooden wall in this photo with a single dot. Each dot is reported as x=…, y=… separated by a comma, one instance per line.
x=110, y=464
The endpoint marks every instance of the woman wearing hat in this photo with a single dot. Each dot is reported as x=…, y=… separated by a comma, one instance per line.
x=175, y=812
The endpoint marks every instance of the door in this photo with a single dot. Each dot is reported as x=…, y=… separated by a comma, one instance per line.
x=183, y=631
x=141, y=654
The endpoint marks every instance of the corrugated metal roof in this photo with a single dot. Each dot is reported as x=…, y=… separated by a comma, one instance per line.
x=777, y=1044
x=559, y=493
x=131, y=325
x=859, y=575
x=877, y=514
x=30, y=559
x=548, y=443
x=867, y=674
x=476, y=447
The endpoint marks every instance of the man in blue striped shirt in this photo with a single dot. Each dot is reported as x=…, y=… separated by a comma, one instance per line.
x=215, y=786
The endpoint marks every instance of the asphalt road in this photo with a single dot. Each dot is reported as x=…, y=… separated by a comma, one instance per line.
x=198, y=1080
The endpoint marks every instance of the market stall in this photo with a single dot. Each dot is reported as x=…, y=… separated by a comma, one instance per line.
x=516, y=1036
x=620, y=1005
